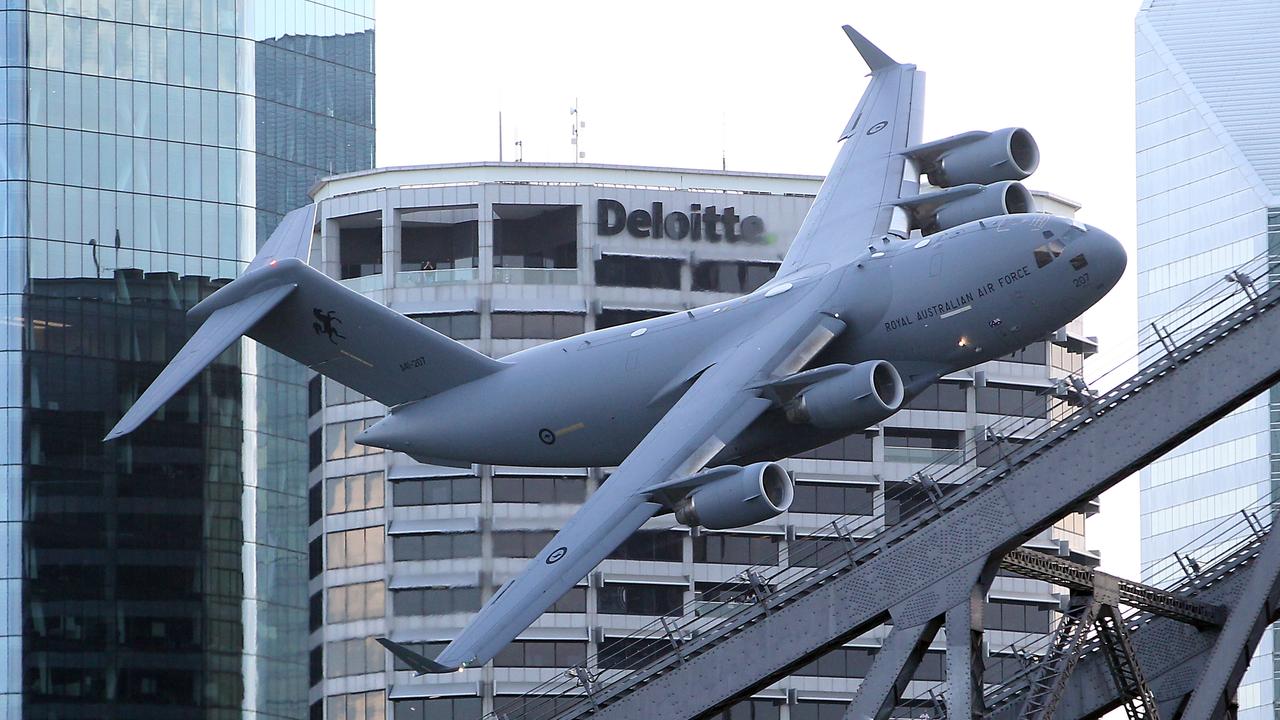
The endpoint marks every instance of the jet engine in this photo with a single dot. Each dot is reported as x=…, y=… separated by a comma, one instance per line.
x=752, y=494
x=861, y=396
x=1002, y=198
x=978, y=157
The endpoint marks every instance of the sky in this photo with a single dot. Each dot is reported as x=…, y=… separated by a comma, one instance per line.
x=768, y=86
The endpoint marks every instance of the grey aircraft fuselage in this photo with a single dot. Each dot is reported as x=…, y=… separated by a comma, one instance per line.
x=930, y=306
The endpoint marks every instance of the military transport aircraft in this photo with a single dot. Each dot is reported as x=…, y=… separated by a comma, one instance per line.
x=887, y=287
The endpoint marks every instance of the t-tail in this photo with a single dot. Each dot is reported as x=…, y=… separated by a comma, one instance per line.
x=290, y=307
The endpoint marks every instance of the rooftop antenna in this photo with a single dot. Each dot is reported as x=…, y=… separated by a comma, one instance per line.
x=723, y=135
x=578, y=124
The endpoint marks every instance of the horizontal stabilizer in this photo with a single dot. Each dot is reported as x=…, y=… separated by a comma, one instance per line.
x=420, y=664
x=223, y=327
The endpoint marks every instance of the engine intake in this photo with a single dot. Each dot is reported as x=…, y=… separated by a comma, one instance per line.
x=859, y=397
x=983, y=158
x=753, y=494
x=1002, y=198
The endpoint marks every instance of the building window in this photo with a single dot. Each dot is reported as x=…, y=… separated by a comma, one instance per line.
x=316, y=665
x=841, y=663
x=354, y=492
x=370, y=705
x=537, y=326
x=315, y=557
x=750, y=710
x=531, y=706
x=315, y=503
x=315, y=614
x=335, y=393
x=940, y=396
x=855, y=447
x=629, y=271
x=460, y=708
x=341, y=439
x=459, y=326
x=1016, y=616
x=1004, y=400
x=360, y=245
x=535, y=236
x=624, y=653
x=735, y=549
x=819, y=710
x=834, y=498
x=520, y=543
x=315, y=449
x=354, y=657
x=573, y=601
x=435, y=546
x=314, y=404
x=436, y=601
x=641, y=599
x=540, y=489
x=361, y=601
x=903, y=500
x=542, y=653
x=1037, y=353
x=438, y=491
x=922, y=447
x=611, y=317
x=732, y=277
x=442, y=238
x=352, y=548
x=659, y=545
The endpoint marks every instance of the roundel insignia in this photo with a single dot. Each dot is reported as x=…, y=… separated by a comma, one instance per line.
x=547, y=436
x=877, y=127
x=556, y=555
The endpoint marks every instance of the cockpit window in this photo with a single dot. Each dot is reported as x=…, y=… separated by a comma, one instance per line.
x=1079, y=262
x=1072, y=233
x=1047, y=252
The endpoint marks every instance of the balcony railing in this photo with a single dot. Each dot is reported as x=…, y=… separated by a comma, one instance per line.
x=535, y=276
x=923, y=456
x=365, y=283
x=425, y=278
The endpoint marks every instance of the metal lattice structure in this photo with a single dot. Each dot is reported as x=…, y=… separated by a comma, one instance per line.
x=932, y=570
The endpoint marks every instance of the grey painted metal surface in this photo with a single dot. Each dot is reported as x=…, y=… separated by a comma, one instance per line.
x=1173, y=655
x=927, y=568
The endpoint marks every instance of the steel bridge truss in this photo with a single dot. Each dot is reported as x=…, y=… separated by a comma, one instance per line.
x=1178, y=657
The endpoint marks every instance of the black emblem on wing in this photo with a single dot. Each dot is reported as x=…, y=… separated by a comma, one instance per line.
x=324, y=324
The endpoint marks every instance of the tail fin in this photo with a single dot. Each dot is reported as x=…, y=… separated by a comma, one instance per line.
x=290, y=307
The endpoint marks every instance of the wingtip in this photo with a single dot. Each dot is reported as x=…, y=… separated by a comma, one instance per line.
x=420, y=664
x=875, y=58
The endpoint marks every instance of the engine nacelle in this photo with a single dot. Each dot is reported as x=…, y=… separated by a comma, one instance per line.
x=753, y=494
x=1002, y=198
x=1008, y=154
x=855, y=399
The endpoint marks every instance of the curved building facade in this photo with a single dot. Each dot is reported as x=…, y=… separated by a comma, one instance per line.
x=506, y=256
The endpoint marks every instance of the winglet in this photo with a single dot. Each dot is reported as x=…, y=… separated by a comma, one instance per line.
x=875, y=58
x=420, y=664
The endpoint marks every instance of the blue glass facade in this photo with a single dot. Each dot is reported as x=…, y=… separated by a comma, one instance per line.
x=147, y=146
x=1207, y=181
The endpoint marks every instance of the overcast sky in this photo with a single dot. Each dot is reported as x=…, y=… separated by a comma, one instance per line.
x=770, y=85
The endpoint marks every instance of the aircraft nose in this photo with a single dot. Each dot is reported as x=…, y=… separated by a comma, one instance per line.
x=1108, y=254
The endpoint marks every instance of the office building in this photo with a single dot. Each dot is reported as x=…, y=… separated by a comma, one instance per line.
x=147, y=147
x=1208, y=175
x=506, y=256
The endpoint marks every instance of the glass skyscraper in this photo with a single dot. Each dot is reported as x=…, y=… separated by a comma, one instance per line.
x=147, y=147
x=1208, y=174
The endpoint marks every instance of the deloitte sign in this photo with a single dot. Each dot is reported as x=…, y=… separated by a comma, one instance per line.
x=698, y=224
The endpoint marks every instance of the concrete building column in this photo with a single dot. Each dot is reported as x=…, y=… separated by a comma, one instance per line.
x=390, y=241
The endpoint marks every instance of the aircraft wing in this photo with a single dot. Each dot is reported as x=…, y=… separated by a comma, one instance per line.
x=856, y=204
x=724, y=400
